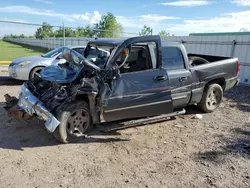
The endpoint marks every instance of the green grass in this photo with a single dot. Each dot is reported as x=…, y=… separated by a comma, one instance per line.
x=10, y=51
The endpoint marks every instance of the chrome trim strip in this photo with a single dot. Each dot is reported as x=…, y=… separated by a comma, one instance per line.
x=136, y=106
x=179, y=97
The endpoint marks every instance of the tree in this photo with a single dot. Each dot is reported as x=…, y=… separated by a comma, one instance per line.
x=146, y=30
x=80, y=32
x=108, y=27
x=85, y=32
x=165, y=33
x=68, y=32
x=89, y=32
x=44, y=31
x=16, y=36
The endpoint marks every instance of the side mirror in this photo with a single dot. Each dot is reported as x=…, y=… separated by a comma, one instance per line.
x=113, y=73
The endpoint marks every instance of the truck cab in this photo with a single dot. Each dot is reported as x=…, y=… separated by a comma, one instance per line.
x=141, y=88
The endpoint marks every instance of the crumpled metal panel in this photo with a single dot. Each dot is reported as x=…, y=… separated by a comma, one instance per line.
x=59, y=74
x=30, y=104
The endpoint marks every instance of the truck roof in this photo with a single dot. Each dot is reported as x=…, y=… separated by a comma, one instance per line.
x=108, y=42
x=116, y=42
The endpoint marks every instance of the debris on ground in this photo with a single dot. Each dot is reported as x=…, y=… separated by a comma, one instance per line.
x=197, y=116
x=178, y=125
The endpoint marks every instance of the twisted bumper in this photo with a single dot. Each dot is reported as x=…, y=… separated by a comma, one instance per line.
x=33, y=106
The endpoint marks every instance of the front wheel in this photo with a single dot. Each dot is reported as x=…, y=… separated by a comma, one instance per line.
x=212, y=98
x=75, y=122
x=35, y=73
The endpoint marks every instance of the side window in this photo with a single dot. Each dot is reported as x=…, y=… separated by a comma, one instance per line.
x=103, y=53
x=172, y=58
x=93, y=53
x=79, y=50
x=138, y=60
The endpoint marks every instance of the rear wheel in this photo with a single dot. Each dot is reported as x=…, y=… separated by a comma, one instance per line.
x=75, y=122
x=212, y=98
x=35, y=73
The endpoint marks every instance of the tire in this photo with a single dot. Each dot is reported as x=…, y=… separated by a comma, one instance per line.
x=34, y=71
x=70, y=119
x=194, y=61
x=211, y=99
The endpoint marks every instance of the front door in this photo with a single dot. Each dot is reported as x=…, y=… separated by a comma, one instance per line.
x=139, y=94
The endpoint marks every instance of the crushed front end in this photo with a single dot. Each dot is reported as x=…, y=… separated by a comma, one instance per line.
x=29, y=105
x=46, y=97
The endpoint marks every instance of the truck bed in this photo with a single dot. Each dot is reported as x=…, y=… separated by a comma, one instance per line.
x=210, y=58
x=218, y=67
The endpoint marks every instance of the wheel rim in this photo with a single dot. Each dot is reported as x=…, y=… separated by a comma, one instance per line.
x=213, y=99
x=37, y=74
x=78, y=122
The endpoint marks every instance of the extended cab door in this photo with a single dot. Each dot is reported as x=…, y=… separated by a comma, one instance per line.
x=180, y=78
x=142, y=90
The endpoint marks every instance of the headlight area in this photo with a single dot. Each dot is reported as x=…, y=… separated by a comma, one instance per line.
x=22, y=64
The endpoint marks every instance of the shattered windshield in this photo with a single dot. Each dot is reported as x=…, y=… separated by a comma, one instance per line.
x=106, y=52
x=75, y=58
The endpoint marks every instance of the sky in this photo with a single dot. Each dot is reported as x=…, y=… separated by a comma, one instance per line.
x=179, y=17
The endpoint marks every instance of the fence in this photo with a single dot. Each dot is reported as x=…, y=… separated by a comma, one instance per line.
x=228, y=46
x=51, y=43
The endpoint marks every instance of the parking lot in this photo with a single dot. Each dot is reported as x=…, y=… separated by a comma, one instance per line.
x=185, y=152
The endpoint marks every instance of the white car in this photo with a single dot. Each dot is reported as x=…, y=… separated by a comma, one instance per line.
x=27, y=68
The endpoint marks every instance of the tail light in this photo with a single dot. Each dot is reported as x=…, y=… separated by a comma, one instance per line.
x=238, y=68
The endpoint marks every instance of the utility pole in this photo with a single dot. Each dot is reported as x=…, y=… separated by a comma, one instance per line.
x=63, y=35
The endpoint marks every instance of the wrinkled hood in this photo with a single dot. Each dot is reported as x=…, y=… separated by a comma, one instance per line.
x=30, y=58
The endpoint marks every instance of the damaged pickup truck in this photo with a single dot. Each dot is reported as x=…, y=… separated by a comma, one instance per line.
x=140, y=79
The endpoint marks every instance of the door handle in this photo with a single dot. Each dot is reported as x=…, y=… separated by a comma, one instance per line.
x=183, y=79
x=160, y=78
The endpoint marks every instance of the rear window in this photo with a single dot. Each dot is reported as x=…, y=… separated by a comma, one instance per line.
x=172, y=58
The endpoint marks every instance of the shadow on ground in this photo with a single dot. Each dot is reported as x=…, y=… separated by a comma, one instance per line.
x=18, y=135
x=32, y=133
x=240, y=95
x=8, y=81
x=238, y=145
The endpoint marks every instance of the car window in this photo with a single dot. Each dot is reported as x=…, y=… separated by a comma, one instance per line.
x=93, y=53
x=133, y=56
x=138, y=60
x=52, y=53
x=79, y=50
x=172, y=58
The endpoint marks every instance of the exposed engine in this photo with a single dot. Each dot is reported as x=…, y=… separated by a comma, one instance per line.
x=50, y=93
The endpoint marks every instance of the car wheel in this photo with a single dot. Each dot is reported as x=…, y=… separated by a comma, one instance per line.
x=212, y=98
x=75, y=122
x=35, y=73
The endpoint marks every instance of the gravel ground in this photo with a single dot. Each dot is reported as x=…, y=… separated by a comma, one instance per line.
x=210, y=152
